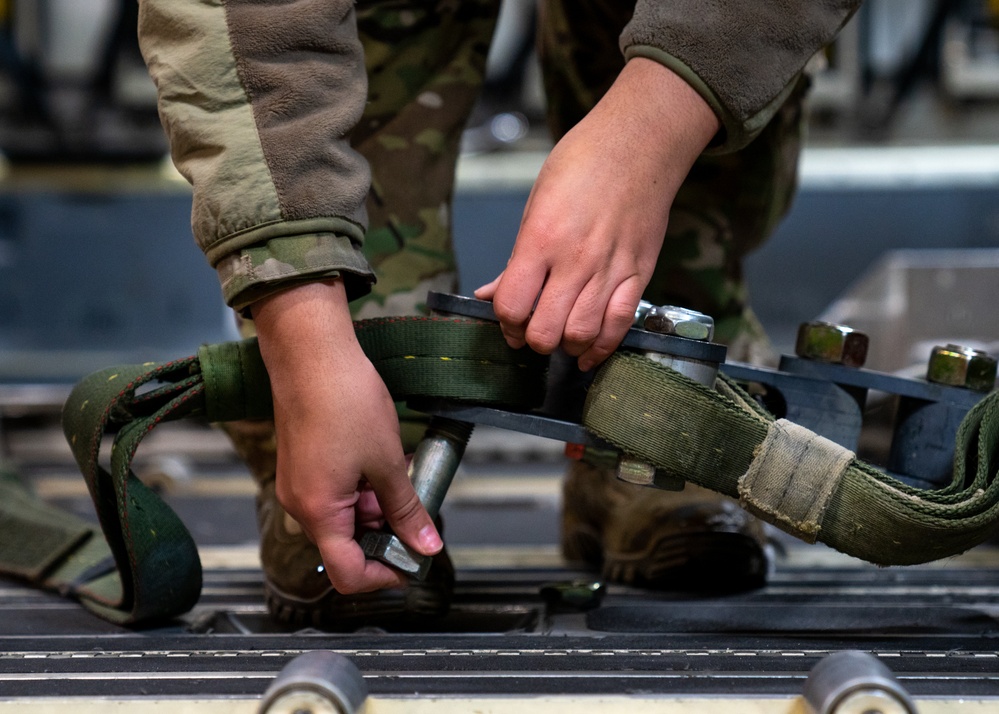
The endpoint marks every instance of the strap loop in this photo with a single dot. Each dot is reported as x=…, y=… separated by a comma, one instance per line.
x=793, y=478
x=236, y=382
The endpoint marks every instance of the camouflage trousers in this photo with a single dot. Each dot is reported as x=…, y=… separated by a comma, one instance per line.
x=426, y=64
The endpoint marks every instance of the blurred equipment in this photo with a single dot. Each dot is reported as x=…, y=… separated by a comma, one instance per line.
x=854, y=682
x=970, y=52
x=319, y=682
x=73, y=86
x=915, y=300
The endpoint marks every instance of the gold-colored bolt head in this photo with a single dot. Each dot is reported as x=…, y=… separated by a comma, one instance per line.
x=835, y=344
x=962, y=367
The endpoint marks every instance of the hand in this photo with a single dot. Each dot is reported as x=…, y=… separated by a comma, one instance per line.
x=596, y=217
x=340, y=463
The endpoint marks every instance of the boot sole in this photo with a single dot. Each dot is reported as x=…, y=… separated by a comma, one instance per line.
x=709, y=561
x=334, y=611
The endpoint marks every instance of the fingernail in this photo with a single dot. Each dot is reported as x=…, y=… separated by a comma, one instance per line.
x=430, y=540
x=585, y=365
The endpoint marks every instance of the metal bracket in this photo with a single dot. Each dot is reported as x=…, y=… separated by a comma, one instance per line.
x=828, y=399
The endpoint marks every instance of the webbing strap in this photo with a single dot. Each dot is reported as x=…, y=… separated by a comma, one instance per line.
x=35, y=536
x=707, y=436
x=792, y=478
x=711, y=437
x=146, y=567
x=158, y=572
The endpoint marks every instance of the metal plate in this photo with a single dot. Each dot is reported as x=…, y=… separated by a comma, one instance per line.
x=636, y=339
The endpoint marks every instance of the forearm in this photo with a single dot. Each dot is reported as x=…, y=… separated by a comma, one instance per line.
x=661, y=122
x=258, y=100
x=305, y=334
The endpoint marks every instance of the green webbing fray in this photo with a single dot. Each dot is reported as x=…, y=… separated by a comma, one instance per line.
x=709, y=437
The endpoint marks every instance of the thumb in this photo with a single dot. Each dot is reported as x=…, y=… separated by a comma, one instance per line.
x=405, y=514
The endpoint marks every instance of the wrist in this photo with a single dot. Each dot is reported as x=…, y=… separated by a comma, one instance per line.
x=655, y=102
x=304, y=327
x=669, y=97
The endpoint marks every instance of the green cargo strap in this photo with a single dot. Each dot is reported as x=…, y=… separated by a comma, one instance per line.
x=146, y=568
x=42, y=543
x=793, y=477
x=157, y=572
x=712, y=438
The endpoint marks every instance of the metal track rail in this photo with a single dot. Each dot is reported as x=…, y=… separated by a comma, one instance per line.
x=935, y=628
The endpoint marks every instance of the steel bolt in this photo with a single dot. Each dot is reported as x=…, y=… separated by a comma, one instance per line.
x=835, y=344
x=641, y=311
x=962, y=367
x=682, y=322
x=643, y=474
x=431, y=470
x=679, y=321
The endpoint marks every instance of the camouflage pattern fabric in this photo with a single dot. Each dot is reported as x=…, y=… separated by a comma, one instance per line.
x=426, y=64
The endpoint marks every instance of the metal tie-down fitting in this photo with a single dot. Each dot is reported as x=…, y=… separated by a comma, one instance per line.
x=960, y=366
x=831, y=343
x=832, y=401
x=676, y=322
x=679, y=321
x=431, y=470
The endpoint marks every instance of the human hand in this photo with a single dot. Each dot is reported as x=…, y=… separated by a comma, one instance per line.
x=596, y=217
x=340, y=464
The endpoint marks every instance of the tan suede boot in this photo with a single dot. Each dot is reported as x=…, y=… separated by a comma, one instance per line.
x=693, y=539
x=297, y=590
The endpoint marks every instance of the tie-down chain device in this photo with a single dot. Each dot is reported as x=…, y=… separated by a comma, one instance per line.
x=824, y=388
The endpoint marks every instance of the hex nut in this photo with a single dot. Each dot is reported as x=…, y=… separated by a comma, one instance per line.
x=641, y=311
x=640, y=473
x=389, y=549
x=959, y=366
x=635, y=471
x=834, y=344
x=679, y=321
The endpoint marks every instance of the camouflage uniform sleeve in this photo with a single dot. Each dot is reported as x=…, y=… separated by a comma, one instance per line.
x=742, y=56
x=258, y=99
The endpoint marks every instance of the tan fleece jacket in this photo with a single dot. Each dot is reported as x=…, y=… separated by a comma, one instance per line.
x=258, y=98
